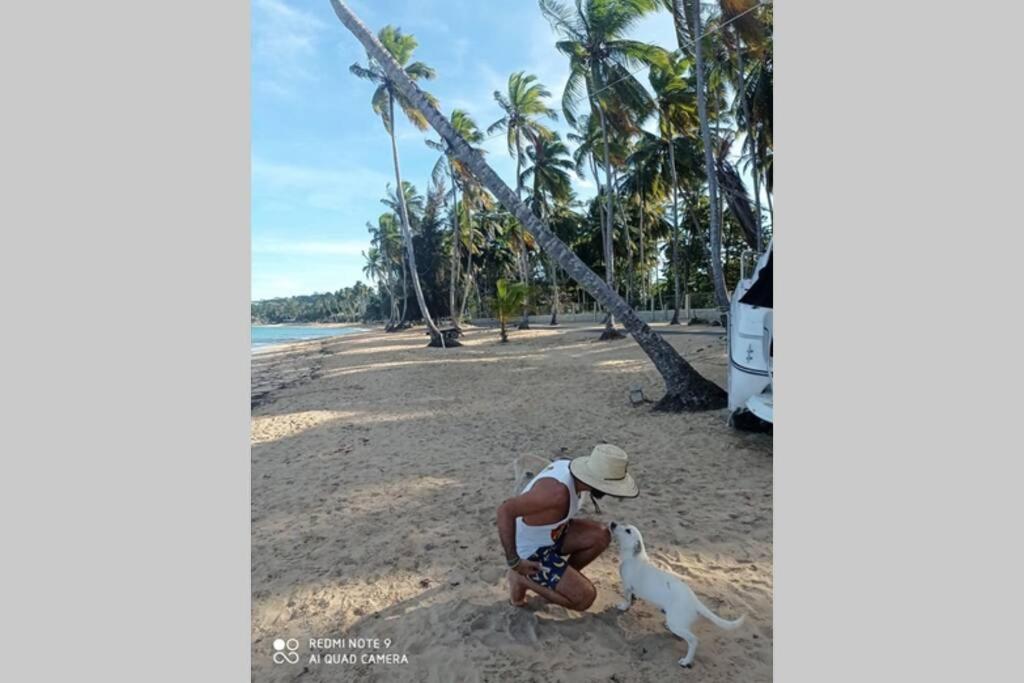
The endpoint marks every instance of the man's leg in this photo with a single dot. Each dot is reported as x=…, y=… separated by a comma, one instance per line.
x=573, y=591
x=584, y=541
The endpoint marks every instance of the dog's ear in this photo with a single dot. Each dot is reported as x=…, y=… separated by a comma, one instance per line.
x=637, y=547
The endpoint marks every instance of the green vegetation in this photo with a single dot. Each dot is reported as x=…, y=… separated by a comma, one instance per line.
x=671, y=215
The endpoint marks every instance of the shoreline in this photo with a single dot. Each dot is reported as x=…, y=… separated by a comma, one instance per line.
x=284, y=344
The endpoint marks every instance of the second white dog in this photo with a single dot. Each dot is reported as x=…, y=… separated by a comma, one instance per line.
x=668, y=591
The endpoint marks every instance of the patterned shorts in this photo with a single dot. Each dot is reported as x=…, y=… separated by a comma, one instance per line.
x=552, y=564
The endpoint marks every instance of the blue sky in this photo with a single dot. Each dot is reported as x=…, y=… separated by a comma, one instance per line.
x=321, y=159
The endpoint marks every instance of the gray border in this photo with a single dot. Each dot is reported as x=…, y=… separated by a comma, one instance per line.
x=125, y=154
x=125, y=491
x=895, y=534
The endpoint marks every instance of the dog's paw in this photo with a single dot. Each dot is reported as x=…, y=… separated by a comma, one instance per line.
x=685, y=664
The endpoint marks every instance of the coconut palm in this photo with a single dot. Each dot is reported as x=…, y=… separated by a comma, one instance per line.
x=745, y=26
x=676, y=107
x=459, y=175
x=508, y=299
x=399, y=47
x=471, y=238
x=685, y=388
x=414, y=208
x=524, y=104
x=549, y=171
x=375, y=268
x=644, y=185
x=715, y=229
x=601, y=62
x=386, y=239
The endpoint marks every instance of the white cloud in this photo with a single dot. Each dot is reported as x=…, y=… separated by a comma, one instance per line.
x=279, y=247
x=317, y=187
x=284, y=45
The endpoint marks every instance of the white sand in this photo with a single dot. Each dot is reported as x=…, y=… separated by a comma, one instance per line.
x=377, y=466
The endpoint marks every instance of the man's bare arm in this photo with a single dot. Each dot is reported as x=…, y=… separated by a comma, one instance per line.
x=546, y=495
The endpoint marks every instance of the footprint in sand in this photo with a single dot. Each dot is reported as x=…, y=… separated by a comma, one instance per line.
x=497, y=625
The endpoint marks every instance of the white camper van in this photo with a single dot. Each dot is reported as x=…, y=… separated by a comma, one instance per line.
x=750, y=343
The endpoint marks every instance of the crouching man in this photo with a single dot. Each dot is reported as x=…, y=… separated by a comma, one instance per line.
x=545, y=547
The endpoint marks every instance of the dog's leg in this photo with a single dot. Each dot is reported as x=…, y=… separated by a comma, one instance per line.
x=691, y=642
x=597, y=508
x=627, y=601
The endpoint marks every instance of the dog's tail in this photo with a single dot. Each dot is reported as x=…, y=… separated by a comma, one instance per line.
x=717, y=620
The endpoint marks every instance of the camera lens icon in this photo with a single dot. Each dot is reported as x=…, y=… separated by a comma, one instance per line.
x=286, y=651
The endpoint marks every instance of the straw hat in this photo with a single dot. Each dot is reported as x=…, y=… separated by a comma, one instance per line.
x=605, y=470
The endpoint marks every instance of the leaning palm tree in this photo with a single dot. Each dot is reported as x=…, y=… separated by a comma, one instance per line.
x=459, y=175
x=549, y=170
x=399, y=47
x=523, y=105
x=685, y=388
x=601, y=65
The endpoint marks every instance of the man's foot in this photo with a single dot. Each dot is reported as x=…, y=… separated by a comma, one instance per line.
x=516, y=589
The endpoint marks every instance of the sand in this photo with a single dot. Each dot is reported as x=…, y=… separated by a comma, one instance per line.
x=377, y=466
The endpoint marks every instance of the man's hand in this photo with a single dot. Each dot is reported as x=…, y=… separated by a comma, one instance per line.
x=527, y=567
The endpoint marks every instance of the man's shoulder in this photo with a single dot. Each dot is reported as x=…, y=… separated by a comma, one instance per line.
x=553, y=488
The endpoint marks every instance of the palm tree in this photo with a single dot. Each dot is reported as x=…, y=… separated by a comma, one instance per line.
x=675, y=102
x=414, y=208
x=523, y=104
x=471, y=238
x=549, y=170
x=399, y=47
x=467, y=128
x=745, y=25
x=375, y=269
x=601, y=61
x=645, y=185
x=685, y=388
x=715, y=229
x=508, y=299
x=387, y=240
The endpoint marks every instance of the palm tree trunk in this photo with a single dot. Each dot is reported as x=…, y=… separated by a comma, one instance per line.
x=685, y=388
x=469, y=260
x=524, y=259
x=407, y=232
x=609, y=248
x=718, y=275
x=629, y=246
x=405, y=289
x=750, y=134
x=675, y=229
x=554, y=286
x=454, y=266
x=643, y=263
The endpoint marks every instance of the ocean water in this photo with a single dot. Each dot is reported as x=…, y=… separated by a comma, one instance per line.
x=272, y=335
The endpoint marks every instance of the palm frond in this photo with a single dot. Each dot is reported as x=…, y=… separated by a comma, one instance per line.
x=382, y=106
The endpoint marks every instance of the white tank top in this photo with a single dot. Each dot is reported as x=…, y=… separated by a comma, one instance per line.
x=530, y=537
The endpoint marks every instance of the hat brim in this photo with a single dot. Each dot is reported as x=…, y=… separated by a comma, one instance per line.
x=620, y=488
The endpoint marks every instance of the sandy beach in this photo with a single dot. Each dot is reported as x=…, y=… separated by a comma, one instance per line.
x=377, y=466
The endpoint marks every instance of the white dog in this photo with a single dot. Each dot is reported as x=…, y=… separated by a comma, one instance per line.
x=665, y=589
